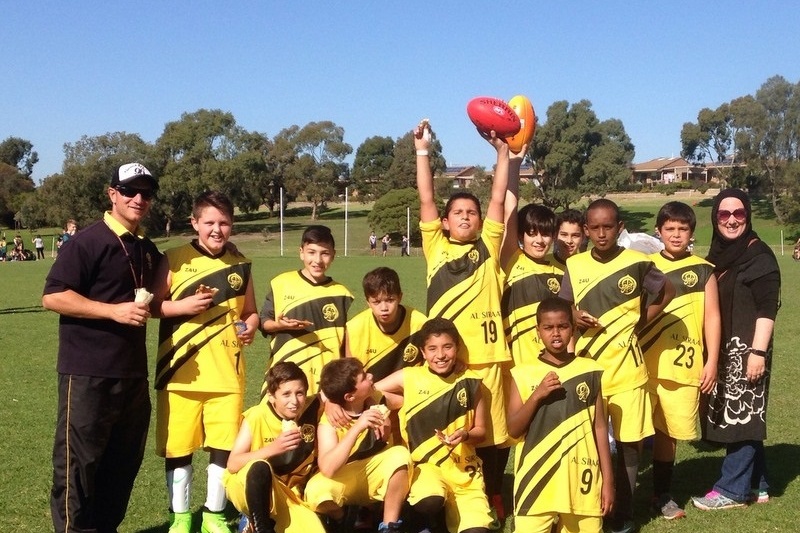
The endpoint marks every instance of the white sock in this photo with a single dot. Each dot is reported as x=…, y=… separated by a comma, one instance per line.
x=215, y=498
x=179, y=484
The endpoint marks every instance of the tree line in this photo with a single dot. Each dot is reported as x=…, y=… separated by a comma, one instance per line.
x=574, y=154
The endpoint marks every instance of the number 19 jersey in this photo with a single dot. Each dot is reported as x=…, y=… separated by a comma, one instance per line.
x=464, y=285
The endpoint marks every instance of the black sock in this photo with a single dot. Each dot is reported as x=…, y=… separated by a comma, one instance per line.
x=662, y=477
x=258, y=494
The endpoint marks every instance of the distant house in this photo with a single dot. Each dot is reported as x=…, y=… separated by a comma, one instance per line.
x=666, y=170
x=672, y=169
x=462, y=176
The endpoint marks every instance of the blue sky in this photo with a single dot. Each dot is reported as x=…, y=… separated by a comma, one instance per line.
x=375, y=68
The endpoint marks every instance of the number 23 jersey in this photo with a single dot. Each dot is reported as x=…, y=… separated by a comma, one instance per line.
x=673, y=342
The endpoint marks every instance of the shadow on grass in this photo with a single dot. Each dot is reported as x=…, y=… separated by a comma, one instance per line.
x=231, y=514
x=697, y=475
x=782, y=465
x=636, y=221
x=15, y=310
x=273, y=226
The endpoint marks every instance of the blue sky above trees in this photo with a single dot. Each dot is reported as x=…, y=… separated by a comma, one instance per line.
x=376, y=68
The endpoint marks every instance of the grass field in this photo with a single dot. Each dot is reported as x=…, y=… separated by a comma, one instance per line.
x=28, y=337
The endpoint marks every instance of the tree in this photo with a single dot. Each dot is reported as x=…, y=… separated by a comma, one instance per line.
x=481, y=185
x=372, y=162
x=79, y=191
x=767, y=138
x=197, y=153
x=578, y=155
x=403, y=171
x=18, y=153
x=14, y=186
x=279, y=159
x=317, y=171
x=711, y=138
x=390, y=212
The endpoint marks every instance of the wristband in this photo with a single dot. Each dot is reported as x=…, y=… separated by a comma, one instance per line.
x=466, y=436
x=422, y=152
x=761, y=353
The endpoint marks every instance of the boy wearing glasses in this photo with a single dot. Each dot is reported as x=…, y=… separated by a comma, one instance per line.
x=681, y=347
x=103, y=394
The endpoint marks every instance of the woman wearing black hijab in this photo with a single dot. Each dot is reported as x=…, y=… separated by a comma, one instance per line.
x=735, y=414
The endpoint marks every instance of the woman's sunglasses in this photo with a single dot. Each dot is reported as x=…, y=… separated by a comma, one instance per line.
x=724, y=215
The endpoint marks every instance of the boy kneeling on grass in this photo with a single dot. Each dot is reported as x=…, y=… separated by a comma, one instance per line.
x=356, y=464
x=274, y=455
x=442, y=416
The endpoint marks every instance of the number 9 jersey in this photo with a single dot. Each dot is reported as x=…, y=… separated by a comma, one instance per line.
x=556, y=466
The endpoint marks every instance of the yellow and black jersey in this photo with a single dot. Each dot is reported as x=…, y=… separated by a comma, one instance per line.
x=615, y=292
x=367, y=444
x=292, y=467
x=432, y=402
x=464, y=285
x=673, y=343
x=325, y=305
x=383, y=353
x=202, y=352
x=528, y=282
x=557, y=261
x=556, y=466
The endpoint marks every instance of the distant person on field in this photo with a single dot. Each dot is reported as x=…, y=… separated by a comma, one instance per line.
x=373, y=243
x=385, y=244
x=100, y=285
x=405, y=246
x=38, y=243
x=70, y=230
x=305, y=311
x=208, y=314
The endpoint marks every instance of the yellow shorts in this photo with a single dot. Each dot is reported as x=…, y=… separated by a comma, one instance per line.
x=188, y=421
x=288, y=509
x=465, y=505
x=676, y=409
x=631, y=414
x=359, y=482
x=568, y=523
x=494, y=398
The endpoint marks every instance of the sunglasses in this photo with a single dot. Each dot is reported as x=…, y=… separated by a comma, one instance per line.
x=131, y=192
x=739, y=214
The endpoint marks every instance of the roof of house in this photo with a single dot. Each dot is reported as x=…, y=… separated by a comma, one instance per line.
x=661, y=163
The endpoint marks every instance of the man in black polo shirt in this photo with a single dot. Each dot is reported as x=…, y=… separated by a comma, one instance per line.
x=103, y=393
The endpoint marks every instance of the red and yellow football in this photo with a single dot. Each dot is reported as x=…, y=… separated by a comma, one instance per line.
x=488, y=113
x=527, y=118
